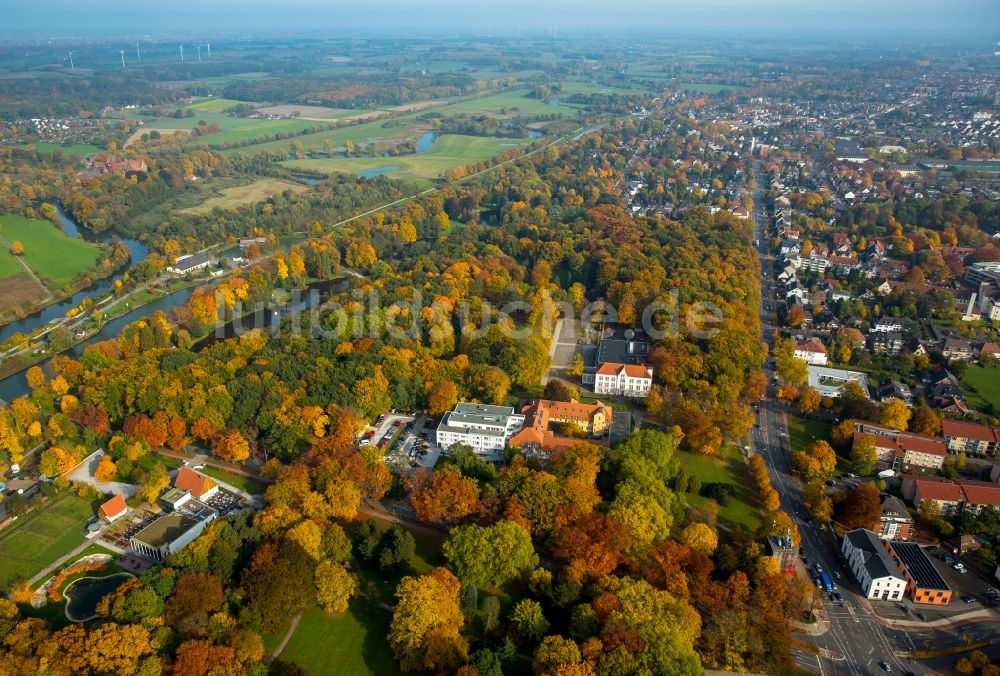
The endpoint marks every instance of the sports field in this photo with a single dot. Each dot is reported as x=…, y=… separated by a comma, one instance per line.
x=244, y=194
x=51, y=254
x=449, y=151
x=981, y=387
x=39, y=538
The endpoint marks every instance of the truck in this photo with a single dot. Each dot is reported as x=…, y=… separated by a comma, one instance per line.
x=824, y=579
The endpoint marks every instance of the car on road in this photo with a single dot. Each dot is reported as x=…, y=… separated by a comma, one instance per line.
x=819, y=569
x=969, y=599
x=836, y=574
x=837, y=598
x=885, y=666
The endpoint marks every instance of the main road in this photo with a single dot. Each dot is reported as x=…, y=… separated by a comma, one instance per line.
x=855, y=643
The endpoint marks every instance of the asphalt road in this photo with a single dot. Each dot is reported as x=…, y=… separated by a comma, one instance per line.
x=855, y=643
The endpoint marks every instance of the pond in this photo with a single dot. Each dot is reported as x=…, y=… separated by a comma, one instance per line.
x=378, y=171
x=83, y=595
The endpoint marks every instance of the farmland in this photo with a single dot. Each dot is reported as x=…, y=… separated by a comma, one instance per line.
x=51, y=254
x=73, y=150
x=405, y=126
x=227, y=198
x=449, y=151
x=36, y=540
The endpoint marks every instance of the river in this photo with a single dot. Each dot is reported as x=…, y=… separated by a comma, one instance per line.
x=99, y=289
x=16, y=385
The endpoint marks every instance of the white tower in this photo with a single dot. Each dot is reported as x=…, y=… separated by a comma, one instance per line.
x=182, y=52
x=71, y=66
x=122, y=52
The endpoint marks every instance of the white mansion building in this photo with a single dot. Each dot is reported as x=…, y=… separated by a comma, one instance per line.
x=623, y=380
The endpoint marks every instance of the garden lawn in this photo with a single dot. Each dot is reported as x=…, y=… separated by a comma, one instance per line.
x=42, y=536
x=728, y=468
x=804, y=431
x=449, y=152
x=353, y=644
x=244, y=483
x=981, y=387
x=51, y=254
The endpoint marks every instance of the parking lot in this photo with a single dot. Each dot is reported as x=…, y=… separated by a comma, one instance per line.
x=407, y=441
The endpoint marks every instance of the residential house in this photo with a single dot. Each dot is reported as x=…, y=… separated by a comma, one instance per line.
x=970, y=438
x=887, y=343
x=895, y=522
x=903, y=450
x=989, y=351
x=872, y=566
x=949, y=497
x=956, y=348
x=812, y=352
x=888, y=325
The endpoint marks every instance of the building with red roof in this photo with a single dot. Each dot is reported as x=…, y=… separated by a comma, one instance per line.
x=812, y=352
x=623, y=380
x=970, y=438
x=536, y=435
x=200, y=486
x=951, y=497
x=113, y=509
x=902, y=450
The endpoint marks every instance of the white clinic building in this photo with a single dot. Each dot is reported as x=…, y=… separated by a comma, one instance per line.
x=486, y=429
x=872, y=565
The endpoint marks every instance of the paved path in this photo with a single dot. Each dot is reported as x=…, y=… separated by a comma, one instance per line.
x=84, y=472
x=292, y=626
x=45, y=572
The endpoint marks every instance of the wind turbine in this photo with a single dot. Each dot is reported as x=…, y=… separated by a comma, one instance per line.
x=209, y=45
x=138, y=54
x=122, y=52
x=182, y=52
x=71, y=66
x=199, y=53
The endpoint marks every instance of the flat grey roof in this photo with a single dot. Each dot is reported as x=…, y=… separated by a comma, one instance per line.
x=165, y=530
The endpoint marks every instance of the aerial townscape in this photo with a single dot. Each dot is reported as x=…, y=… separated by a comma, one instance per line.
x=554, y=339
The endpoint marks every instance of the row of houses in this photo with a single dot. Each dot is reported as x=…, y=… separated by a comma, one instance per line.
x=948, y=496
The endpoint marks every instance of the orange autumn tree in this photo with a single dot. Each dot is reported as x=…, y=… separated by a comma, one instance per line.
x=231, y=445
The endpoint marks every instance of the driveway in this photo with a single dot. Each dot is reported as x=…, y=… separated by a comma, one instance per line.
x=84, y=472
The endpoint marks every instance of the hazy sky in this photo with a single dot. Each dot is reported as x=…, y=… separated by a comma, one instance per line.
x=975, y=19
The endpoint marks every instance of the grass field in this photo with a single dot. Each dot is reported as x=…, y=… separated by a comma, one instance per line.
x=727, y=469
x=353, y=644
x=9, y=266
x=48, y=251
x=214, y=105
x=449, y=151
x=39, y=538
x=499, y=105
x=74, y=150
x=981, y=387
x=245, y=194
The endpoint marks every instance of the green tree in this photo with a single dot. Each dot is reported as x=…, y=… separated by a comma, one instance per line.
x=529, y=620
x=491, y=556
